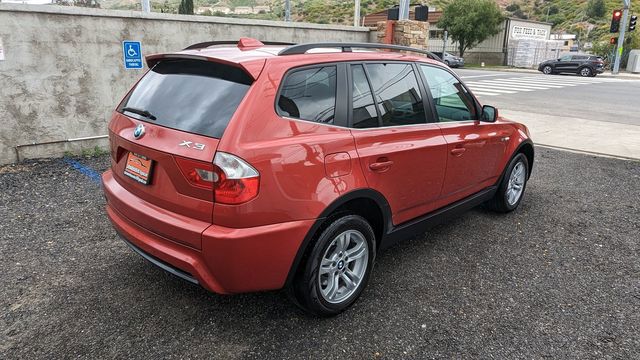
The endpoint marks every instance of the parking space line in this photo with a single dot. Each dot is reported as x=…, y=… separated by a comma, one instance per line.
x=89, y=172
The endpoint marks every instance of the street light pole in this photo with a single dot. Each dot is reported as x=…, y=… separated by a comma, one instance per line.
x=623, y=29
x=287, y=10
x=356, y=14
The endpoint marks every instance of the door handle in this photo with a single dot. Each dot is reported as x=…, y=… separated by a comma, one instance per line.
x=458, y=151
x=381, y=166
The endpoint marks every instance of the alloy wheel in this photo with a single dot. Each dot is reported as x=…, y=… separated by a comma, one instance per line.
x=343, y=266
x=516, y=183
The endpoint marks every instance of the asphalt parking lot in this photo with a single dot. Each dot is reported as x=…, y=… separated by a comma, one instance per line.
x=559, y=278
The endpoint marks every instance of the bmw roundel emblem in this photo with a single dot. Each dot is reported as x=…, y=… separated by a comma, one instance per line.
x=138, y=131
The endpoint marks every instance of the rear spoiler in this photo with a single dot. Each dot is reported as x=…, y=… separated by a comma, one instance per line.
x=253, y=67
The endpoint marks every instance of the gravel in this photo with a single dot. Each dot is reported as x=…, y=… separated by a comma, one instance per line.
x=559, y=277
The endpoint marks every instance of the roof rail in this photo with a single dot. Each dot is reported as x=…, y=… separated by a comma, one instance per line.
x=347, y=47
x=206, y=44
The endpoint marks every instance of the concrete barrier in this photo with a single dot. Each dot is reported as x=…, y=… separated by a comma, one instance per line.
x=63, y=71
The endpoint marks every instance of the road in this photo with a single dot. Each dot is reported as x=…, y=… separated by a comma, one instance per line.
x=597, y=98
x=596, y=115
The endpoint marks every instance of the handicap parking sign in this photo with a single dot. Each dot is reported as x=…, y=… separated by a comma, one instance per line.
x=132, y=52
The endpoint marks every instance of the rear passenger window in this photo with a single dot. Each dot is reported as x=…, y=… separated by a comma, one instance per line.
x=364, y=108
x=309, y=94
x=397, y=94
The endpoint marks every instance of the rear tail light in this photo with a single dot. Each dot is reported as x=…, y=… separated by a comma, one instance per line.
x=198, y=173
x=234, y=180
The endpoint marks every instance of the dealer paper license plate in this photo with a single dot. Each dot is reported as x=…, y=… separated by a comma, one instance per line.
x=138, y=168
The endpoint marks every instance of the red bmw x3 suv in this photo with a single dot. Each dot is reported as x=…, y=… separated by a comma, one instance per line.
x=247, y=167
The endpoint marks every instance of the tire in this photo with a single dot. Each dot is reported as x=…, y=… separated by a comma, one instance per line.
x=504, y=200
x=312, y=287
x=585, y=72
x=447, y=62
x=547, y=70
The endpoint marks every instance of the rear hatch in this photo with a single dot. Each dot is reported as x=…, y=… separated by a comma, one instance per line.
x=163, y=139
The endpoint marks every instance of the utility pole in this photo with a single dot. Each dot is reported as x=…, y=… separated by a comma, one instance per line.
x=404, y=10
x=356, y=14
x=623, y=29
x=548, y=9
x=146, y=8
x=287, y=10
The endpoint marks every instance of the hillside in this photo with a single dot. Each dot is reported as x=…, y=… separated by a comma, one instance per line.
x=573, y=16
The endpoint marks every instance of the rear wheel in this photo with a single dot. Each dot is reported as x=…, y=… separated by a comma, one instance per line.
x=586, y=72
x=547, y=70
x=337, y=269
x=511, y=188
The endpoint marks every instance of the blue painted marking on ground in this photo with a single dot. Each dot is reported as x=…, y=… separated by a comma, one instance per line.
x=89, y=172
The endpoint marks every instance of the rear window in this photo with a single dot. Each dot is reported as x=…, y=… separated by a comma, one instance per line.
x=190, y=95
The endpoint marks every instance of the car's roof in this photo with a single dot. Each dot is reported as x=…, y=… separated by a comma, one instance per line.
x=252, y=57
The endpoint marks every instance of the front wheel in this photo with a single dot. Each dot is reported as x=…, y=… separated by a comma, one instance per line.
x=547, y=70
x=337, y=269
x=511, y=188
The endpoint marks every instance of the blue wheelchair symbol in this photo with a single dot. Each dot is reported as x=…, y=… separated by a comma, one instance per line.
x=132, y=54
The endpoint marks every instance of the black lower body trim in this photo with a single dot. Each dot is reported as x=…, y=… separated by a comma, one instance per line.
x=161, y=264
x=423, y=223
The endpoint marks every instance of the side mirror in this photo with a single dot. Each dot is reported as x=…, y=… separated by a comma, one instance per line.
x=489, y=113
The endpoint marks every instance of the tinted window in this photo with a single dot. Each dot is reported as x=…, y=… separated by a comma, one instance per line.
x=397, y=94
x=565, y=58
x=309, y=94
x=190, y=95
x=451, y=98
x=364, y=109
x=579, y=57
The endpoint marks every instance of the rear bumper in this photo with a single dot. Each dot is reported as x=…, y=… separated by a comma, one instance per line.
x=230, y=261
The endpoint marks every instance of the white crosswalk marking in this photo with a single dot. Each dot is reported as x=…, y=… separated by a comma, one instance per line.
x=513, y=85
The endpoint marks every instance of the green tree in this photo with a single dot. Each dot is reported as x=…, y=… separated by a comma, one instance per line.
x=186, y=7
x=596, y=9
x=469, y=22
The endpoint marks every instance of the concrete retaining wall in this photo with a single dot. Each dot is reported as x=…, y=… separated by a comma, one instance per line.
x=63, y=71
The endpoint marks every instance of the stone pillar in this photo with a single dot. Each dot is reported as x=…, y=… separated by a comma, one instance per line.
x=410, y=33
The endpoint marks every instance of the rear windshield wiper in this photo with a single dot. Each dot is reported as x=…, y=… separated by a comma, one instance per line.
x=142, y=112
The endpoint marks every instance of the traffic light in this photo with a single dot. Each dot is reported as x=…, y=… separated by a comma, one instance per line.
x=632, y=22
x=613, y=41
x=615, y=21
